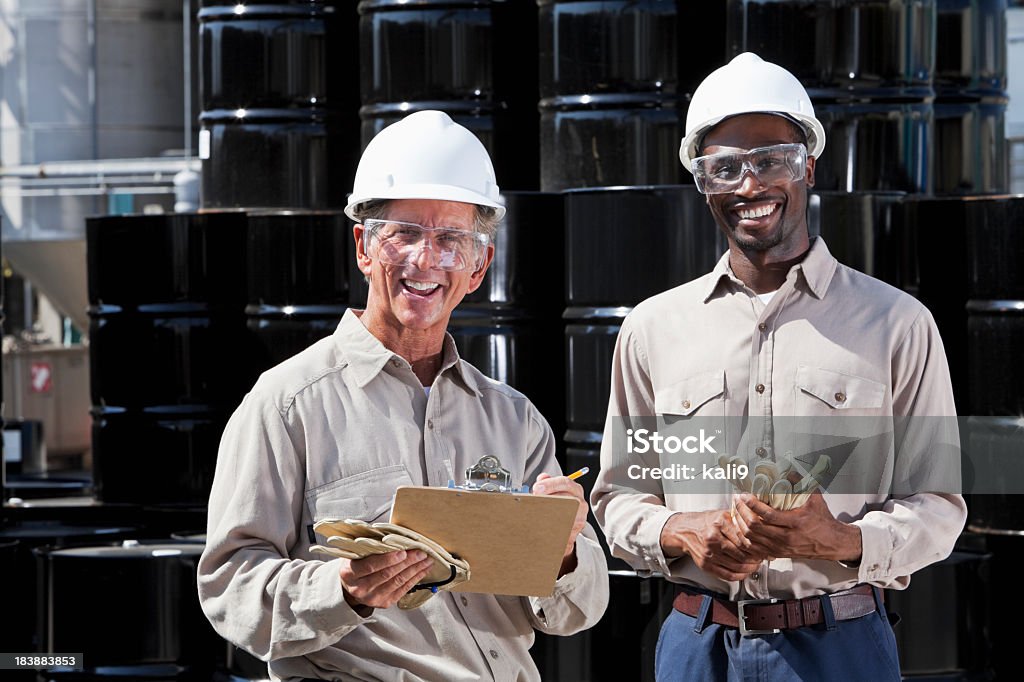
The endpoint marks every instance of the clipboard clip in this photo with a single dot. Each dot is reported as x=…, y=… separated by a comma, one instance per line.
x=488, y=475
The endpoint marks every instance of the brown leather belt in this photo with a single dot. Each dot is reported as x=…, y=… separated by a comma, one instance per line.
x=769, y=616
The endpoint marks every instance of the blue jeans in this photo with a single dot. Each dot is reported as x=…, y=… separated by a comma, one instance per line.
x=859, y=649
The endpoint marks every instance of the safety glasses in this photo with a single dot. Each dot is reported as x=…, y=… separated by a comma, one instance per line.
x=399, y=243
x=771, y=166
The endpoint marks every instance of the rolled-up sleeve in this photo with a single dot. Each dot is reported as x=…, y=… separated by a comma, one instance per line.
x=252, y=593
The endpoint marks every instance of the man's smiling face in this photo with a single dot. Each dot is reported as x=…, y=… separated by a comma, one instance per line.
x=754, y=217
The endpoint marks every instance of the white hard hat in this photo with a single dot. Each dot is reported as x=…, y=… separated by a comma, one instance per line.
x=426, y=155
x=748, y=85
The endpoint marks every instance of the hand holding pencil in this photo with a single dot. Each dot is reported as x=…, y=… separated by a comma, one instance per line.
x=566, y=486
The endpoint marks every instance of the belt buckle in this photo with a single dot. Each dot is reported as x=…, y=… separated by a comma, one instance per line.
x=742, y=617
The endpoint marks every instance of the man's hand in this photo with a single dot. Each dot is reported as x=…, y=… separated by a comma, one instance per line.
x=807, y=532
x=712, y=540
x=564, y=487
x=380, y=580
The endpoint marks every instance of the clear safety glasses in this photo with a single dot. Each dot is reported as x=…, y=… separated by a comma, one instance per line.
x=771, y=166
x=398, y=243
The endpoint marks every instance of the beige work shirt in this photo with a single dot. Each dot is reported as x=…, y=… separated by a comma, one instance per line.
x=832, y=344
x=330, y=433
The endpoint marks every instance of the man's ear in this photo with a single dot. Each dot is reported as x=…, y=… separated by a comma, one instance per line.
x=809, y=171
x=363, y=262
x=477, y=278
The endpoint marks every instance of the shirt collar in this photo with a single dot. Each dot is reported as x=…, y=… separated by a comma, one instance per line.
x=367, y=356
x=816, y=270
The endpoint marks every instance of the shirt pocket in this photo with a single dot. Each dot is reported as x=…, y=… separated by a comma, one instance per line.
x=840, y=416
x=700, y=394
x=838, y=390
x=366, y=496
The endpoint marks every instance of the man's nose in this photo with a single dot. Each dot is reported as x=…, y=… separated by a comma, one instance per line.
x=424, y=256
x=750, y=184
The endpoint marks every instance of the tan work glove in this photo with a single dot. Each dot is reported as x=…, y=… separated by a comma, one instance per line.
x=354, y=539
x=776, y=483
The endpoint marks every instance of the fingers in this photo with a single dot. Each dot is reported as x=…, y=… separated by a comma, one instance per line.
x=558, y=485
x=381, y=580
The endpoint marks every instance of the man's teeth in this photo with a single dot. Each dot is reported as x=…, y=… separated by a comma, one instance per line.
x=420, y=286
x=759, y=212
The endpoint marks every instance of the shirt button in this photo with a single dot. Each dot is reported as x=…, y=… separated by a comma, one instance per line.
x=494, y=654
x=840, y=397
x=430, y=424
x=759, y=388
x=755, y=576
x=762, y=327
x=686, y=404
x=396, y=363
x=465, y=602
x=760, y=452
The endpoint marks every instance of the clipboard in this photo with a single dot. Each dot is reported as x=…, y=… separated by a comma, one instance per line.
x=514, y=543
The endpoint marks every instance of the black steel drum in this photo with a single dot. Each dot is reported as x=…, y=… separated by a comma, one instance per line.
x=25, y=617
x=529, y=257
x=970, y=46
x=160, y=455
x=970, y=154
x=168, y=355
x=995, y=336
x=590, y=335
x=995, y=242
x=172, y=258
x=167, y=291
x=865, y=231
x=859, y=45
x=627, y=244
x=607, y=47
x=936, y=229
x=298, y=258
x=610, y=102
x=875, y=144
x=146, y=594
x=305, y=161
x=603, y=140
x=944, y=631
x=279, y=94
x=456, y=56
x=298, y=280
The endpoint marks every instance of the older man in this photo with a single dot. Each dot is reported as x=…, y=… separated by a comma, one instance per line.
x=783, y=345
x=386, y=401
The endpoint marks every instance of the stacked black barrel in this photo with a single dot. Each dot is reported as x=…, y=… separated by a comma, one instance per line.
x=169, y=351
x=995, y=396
x=473, y=59
x=868, y=66
x=297, y=267
x=970, y=97
x=279, y=90
x=610, y=96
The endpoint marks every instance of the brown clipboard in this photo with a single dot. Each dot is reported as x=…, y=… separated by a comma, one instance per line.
x=513, y=542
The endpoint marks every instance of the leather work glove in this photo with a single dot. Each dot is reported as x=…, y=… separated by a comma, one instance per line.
x=777, y=484
x=354, y=539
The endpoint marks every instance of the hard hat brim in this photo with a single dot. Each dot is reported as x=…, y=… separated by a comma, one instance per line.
x=812, y=127
x=429, y=192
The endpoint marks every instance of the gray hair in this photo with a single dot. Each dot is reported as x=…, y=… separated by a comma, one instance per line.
x=485, y=218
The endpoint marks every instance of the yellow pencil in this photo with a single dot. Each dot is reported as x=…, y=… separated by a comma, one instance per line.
x=576, y=474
